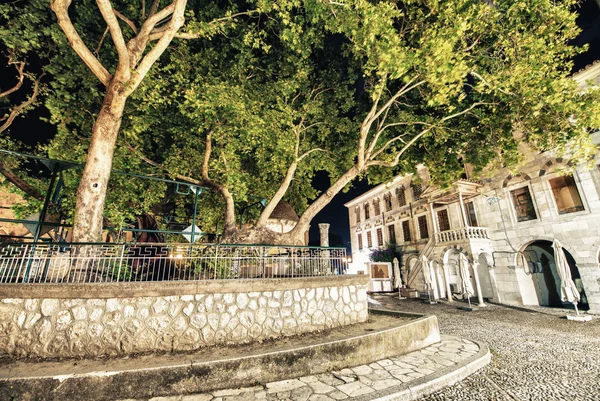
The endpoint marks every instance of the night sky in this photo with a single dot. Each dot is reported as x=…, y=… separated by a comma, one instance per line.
x=32, y=130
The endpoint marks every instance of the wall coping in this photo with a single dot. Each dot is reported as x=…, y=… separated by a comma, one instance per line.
x=169, y=288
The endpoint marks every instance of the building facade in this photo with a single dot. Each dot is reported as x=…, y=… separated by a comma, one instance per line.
x=504, y=224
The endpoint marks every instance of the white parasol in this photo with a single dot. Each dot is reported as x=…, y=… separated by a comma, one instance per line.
x=397, y=278
x=426, y=274
x=568, y=290
x=465, y=280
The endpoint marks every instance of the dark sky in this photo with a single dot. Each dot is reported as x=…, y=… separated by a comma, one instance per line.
x=32, y=130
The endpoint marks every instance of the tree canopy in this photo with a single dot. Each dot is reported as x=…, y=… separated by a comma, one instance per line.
x=252, y=98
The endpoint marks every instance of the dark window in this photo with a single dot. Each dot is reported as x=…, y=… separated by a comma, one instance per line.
x=367, y=214
x=401, y=195
x=369, y=240
x=406, y=230
x=417, y=190
x=387, y=199
x=423, y=230
x=392, y=234
x=360, y=244
x=471, y=216
x=357, y=214
x=443, y=221
x=379, y=237
x=566, y=195
x=523, y=204
x=376, y=207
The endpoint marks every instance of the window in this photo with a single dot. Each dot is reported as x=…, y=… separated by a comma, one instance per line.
x=566, y=195
x=471, y=216
x=392, y=234
x=379, y=237
x=387, y=199
x=523, y=204
x=406, y=230
x=360, y=244
x=417, y=190
x=357, y=214
x=376, y=207
x=401, y=195
x=367, y=215
x=369, y=240
x=443, y=221
x=423, y=230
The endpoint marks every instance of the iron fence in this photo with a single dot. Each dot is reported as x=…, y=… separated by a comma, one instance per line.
x=108, y=262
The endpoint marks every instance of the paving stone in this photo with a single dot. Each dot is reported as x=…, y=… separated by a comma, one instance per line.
x=284, y=385
x=301, y=393
x=308, y=379
x=197, y=397
x=385, y=383
x=338, y=395
x=362, y=370
x=320, y=387
x=355, y=389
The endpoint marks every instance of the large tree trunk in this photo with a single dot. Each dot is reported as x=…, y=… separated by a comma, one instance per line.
x=91, y=193
x=262, y=235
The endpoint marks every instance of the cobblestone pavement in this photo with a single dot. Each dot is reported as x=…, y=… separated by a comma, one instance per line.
x=346, y=384
x=536, y=354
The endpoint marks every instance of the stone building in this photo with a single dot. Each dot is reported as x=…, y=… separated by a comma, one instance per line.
x=504, y=224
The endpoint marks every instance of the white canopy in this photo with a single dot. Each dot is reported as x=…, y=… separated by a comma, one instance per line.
x=568, y=290
x=426, y=270
x=463, y=269
x=397, y=278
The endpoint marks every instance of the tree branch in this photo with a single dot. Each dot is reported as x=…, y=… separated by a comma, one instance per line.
x=159, y=32
x=417, y=137
x=116, y=34
x=61, y=9
x=18, y=109
x=20, y=183
x=129, y=22
x=176, y=22
x=20, y=66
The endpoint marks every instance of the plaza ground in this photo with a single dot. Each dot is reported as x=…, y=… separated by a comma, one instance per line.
x=536, y=354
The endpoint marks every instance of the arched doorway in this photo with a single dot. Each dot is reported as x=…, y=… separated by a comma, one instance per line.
x=539, y=257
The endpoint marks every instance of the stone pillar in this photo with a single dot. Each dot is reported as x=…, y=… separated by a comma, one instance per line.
x=462, y=210
x=325, y=255
x=324, y=229
x=475, y=265
x=445, y=268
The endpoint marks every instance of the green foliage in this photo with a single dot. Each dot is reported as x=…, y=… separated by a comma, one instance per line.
x=387, y=254
x=480, y=80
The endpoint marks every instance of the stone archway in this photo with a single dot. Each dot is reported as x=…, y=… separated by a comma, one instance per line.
x=540, y=266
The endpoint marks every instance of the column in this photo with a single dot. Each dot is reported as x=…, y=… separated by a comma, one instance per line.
x=324, y=229
x=462, y=209
x=433, y=220
x=325, y=255
x=475, y=265
x=445, y=268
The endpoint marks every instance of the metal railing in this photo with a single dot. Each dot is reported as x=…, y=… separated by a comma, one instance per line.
x=107, y=262
x=462, y=234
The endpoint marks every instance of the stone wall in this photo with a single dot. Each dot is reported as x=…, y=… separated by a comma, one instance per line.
x=171, y=316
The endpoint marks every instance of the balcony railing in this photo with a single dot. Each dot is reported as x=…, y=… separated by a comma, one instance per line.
x=462, y=234
x=98, y=263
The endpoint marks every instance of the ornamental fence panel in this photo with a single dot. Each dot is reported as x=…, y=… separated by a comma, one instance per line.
x=114, y=262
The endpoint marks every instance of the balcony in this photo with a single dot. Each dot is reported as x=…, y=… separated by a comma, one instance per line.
x=462, y=234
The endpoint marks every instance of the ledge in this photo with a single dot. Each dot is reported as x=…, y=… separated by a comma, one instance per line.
x=167, y=288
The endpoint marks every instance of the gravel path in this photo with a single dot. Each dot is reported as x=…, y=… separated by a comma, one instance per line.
x=536, y=355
